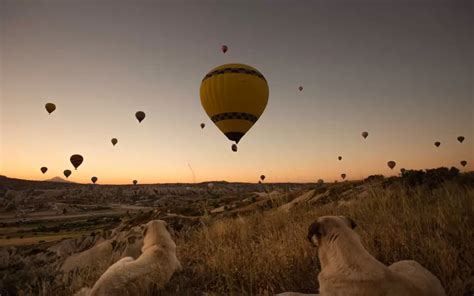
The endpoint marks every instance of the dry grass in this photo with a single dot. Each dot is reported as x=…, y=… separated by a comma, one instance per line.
x=266, y=253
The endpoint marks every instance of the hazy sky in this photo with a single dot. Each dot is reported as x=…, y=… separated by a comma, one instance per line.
x=402, y=70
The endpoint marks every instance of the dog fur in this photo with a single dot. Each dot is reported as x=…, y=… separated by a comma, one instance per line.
x=347, y=269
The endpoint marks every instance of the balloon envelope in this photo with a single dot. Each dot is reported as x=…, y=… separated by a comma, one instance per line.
x=262, y=177
x=50, y=107
x=114, y=141
x=437, y=144
x=460, y=139
x=365, y=134
x=234, y=97
x=67, y=173
x=300, y=88
x=339, y=157
x=224, y=48
x=76, y=160
x=463, y=163
x=391, y=164
x=44, y=169
x=234, y=147
x=140, y=115
x=320, y=181
x=202, y=125
x=94, y=179
x=343, y=176
x=135, y=182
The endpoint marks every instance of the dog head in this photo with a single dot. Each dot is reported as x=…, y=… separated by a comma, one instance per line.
x=156, y=232
x=327, y=228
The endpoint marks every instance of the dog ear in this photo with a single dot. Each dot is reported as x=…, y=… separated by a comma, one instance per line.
x=351, y=223
x=314, y=229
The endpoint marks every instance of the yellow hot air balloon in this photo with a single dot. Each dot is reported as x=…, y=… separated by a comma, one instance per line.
x=234, y=96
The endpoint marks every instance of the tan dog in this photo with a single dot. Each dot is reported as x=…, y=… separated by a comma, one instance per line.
x=153, y=269
x=347, y=269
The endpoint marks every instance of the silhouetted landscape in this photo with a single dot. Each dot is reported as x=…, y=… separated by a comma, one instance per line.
x=236, y=238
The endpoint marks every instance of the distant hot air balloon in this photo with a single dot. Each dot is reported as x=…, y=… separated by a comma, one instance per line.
x=114, y=141
x=402, y=170
x=202, y=125
x=76, y=160
x=391, y=164
x=94, y=179
x=67, y=173
x=460, y=139
x=365, y=134
x=234, y=147
x=234, y=96
x=437, y=144
x=50, y=107
x=44, y=169
x=135, y=182
x=262, y=177
x=463, y=163
x=300, y=88
x=140, y=115
x=339, y=157
x=343, y=176
x=224, y=48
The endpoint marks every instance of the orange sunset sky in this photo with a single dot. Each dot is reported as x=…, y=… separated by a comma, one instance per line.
x=403, y=71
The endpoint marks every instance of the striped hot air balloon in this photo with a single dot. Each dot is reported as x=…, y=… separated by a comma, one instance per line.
x=234, y=97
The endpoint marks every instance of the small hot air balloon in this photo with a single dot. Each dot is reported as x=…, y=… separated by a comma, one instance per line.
x=460, y=139
x=300, y=88
x=94, y=179
x=391, y=164
x=67, y=173
x=437, y=144
x=234, y=96
x=339, y=157
x=135, y=182
x=224, y=48
x=365, y=134
x=76, y=160
x=402, y=170
x=140, y=115
x=343, y=176
x=262, y=177
x=202, y=125
x=50, y=107
x=44, y=169
x=234, y=147
x=114, y=141
x=463, y=163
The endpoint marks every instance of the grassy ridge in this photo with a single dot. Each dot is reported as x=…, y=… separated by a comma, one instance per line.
x=267, y=253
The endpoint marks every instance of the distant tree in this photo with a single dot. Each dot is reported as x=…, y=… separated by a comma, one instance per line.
x=373, y=178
